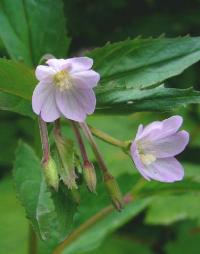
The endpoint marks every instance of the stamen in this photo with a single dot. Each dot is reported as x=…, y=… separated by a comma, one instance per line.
x=147, y=159
x=63, y=80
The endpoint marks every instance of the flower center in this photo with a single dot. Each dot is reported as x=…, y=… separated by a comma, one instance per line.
x=63, y=80
x=146, y=157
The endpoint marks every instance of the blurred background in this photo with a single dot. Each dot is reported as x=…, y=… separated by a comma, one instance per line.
x=92, y=24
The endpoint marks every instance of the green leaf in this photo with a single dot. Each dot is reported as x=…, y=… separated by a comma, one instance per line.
x=36, y=28
x=105, y=220
x=186, y=241
x=16, y=79
x=55, y=213
x=157, y=99
x=27, y=178
x=142, y=63
x=51, y=214
x=105, y=226
x=16, y=104
x=168, y=209
x=174, y=202
x=120, y=245
x=14, y=226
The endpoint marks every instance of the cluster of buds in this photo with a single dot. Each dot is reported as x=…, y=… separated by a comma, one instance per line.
x=65, y=170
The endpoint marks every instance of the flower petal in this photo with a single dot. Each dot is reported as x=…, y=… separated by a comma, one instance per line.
x=170, y=126
x=80, y=63
x=86, y=79
x=138, y=163
x=40, y=94
x=165, y=170
x=76, y=104
x=139, y=131
x=49, y=111
x=44, y=73
x=168, y=146
x=43, y=102
x=150, y=130
x=86, y=99
x=158, y=129
x=56, y=64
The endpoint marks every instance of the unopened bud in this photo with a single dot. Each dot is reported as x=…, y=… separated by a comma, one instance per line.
x=90, y=176
x=67, y=158
x=114, y=191
x=51, y=173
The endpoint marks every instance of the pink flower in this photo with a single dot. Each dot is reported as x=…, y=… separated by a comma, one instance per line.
x=65, y=89
x=155, y=146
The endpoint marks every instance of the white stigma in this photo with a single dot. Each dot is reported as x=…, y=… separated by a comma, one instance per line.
x=63, y=80
x=146, y=157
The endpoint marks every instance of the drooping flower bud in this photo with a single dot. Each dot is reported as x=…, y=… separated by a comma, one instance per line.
x=51, y=173
x=90, y=176
x=113, y=191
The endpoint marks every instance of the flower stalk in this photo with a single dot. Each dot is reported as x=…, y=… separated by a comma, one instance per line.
x=44, y=140
x=128, y=198
x=88, y=168
x=110, y=182
x=109, y=139
x=48, y=163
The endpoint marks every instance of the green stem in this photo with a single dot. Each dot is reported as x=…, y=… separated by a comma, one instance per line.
x=92, y=142
x=128, y=198
x=32, y=247
x=44, y=140
x=80, y=142
x=109, y=139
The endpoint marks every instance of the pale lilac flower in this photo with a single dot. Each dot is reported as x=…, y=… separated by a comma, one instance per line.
x=155, y=146
x=65, y=89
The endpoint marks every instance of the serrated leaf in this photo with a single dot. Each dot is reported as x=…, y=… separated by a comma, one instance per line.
x=51, y=214
x=36, y=28
x=142, y=63
x=158, y=99
x=55, y=211
x=27, y=179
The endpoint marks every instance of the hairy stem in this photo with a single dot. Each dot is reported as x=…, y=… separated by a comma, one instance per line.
x=128, y=198
x=107, y=138
x=80, y=141
x=44, y=140
x=32, y=247
x=92, y=142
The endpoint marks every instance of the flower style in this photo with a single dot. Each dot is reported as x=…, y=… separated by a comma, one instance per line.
x=65, y=89
x=155, y=146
